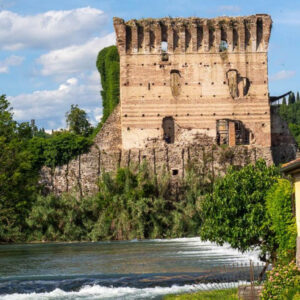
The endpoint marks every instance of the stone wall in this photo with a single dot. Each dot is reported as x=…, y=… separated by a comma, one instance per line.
x=106, y=155
x=209, y=87
x=284, y=146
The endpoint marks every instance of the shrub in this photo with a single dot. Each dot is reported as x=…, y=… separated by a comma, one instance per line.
x=283, y=223
x=283, y=282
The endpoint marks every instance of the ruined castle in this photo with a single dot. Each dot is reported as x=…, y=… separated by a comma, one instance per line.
x=189, y=88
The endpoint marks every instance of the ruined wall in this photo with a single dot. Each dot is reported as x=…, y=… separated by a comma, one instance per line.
x=210, y=86
x=284, y=146
x=106, y=155
x=212, y=69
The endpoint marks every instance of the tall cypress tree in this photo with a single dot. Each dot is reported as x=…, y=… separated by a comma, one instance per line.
x=298, y=97
x=292, y=98
x=284, y=101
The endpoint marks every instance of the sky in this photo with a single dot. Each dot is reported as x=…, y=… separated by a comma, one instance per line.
x=48, y=49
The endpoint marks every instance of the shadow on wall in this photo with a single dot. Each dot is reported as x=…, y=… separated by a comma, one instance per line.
x=284, y=146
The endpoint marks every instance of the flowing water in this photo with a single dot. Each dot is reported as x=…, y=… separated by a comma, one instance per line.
x=134, y=269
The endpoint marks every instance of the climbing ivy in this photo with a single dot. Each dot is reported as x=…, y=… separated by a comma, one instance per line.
x=108, y=65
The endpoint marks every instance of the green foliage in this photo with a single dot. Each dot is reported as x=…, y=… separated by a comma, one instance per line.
x=58, y=149
x=283, y=282
x=64, y=218
x=291, y=114
x=130, y=204
x=228, y=294
x=292, y=98
x=283, y=223
x=18, y=178
x=108, y=65
x=77, y=121
x=236, y=212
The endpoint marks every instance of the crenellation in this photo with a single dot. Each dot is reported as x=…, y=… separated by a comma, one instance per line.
x=249, y=34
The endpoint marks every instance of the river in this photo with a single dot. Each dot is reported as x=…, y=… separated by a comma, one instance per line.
x=146, y=269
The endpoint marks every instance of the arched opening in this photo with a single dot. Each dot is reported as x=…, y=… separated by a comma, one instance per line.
x=169, y=130
x=223, y=45
x=164, y=51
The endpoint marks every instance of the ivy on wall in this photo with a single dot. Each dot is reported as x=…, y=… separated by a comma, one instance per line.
x=108, y=65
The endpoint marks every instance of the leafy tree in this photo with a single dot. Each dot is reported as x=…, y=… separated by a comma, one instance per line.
x=108, y=65
x=18, y=178
x=7, y=124
x=235, y=212
x=77, y=121
x=298, y=97
x=283, y=223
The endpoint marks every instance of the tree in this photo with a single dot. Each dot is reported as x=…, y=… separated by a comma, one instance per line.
x=283, y=223
x=284, y=101
x=77, y=121
x=292, y=98
x=18, y=178
x=235, y=212
x=298, y=97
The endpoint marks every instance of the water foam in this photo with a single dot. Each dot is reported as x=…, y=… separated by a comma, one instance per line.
x=100, y=292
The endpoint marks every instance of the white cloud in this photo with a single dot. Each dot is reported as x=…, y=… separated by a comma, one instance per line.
x=10, y=61
x=283, y=74
x=74, y=59
x=229, y=8
x=49, y=30
x=48, y=107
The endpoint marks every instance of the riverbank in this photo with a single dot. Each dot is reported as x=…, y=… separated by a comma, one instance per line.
x=228, y=294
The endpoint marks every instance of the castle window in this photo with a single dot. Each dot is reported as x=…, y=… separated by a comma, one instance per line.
x=164, y=46
x=232, y=132
x=164, y=51
x=168, y=130
x=223, y=46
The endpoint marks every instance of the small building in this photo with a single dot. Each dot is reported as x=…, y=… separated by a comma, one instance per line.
x=293, y=168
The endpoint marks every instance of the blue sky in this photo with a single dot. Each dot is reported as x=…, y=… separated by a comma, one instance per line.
x=48, y=49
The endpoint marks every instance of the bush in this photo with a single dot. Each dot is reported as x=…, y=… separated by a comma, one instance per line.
x=283, y=282
x=283, y=223
x=235, y=212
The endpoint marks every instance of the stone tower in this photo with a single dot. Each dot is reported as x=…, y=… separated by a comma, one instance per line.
x=182, y=78
x=186, y=86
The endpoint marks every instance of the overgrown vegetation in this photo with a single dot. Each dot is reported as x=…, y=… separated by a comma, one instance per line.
x=108, y=65
x=289, y=110
x=283, y=282
x=23, y=151
x=282, y=221
x=235, y=212
x=129, y=205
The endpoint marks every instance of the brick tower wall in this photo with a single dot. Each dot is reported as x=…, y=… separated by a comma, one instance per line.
x=220, y=68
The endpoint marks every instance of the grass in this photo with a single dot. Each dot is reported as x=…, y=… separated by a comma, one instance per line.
x=228, y=294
